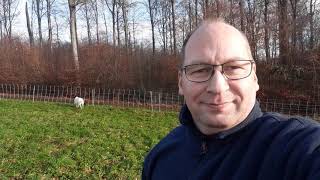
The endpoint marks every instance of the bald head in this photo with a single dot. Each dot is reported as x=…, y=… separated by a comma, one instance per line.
x=215, y=30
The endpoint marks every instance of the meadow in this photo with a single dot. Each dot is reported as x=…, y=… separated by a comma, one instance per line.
x=41, y=140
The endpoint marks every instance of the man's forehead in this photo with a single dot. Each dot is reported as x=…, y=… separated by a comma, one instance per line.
x=217, y=30
x=220, y=38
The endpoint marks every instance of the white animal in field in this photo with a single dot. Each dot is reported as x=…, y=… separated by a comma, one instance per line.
x=79, y=102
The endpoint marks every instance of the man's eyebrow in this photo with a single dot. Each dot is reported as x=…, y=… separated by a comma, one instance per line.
x=236, y=58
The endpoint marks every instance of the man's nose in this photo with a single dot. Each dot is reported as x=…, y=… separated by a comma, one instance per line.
x=218, y=83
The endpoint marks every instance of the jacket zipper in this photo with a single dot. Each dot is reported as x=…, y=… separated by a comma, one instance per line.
x=204, y=148
x=203, y=152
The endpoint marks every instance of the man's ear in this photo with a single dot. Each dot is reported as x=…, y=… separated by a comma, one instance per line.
x=180, y=83
x=255, y=77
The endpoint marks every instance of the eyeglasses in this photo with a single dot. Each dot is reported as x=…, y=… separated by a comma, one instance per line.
x=232, y=70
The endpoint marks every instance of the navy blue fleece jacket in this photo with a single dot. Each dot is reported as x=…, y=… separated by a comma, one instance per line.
x=264, y=146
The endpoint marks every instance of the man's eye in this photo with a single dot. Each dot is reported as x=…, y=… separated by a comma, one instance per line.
x=230, y=68
x=202, y=70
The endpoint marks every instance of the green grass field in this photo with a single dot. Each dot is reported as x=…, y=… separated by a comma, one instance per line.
x=56, y=141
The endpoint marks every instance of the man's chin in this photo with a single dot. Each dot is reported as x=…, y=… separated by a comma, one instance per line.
x=217, y=109
x=221, y=121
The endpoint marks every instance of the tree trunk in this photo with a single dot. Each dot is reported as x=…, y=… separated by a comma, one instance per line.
x=106, y=27
x=294, y=23
x=30, y=32
x=283, y=32
x=49, y=24
x=190, y=15
x=73, y=35
x=231, y=13
x=218, y=8
x=118, y=28
x=311, y=14
x=196, y=11
x=87, y=17
x=112, y=11
x=125, y=21
x=57, y=30
x=96, y=15
x=39, y=18
x=205, y=9
x=151, y=13
x=266, y=30
x=242, y=16
x=173, y=26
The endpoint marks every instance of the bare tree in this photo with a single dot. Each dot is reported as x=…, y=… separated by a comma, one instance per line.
x=112, y=7
x=293, y=4
x=49, y=12
x=205, y=8
x=312, y=9
x=105, y=26
x=266, y=30
x=196, y=11
x=30, y=31
x=73, y=34
x=8, y=14
x=152, y=14
x=241, y=5
x=39, y=13
x=94, y=4
x=124, y=7
x=163, y=12
x=283, y=31
x=87, y=19
x=118, y=25
x=173, y=19
x=190, y=15
x=57, y=30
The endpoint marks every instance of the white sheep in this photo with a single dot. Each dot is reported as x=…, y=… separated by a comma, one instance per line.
x=79, y=102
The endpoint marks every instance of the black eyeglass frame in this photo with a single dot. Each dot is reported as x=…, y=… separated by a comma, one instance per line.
x=183, y=69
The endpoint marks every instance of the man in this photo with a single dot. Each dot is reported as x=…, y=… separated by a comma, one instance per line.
x=223, y=133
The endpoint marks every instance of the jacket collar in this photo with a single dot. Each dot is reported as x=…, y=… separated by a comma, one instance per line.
x=186, y=119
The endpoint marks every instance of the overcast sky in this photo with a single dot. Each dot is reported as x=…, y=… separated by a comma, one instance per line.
x=143, y=29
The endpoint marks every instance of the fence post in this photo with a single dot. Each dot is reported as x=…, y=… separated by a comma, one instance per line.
x=123, y=93
x=14, y=91
x=34, y=89
x=151, y=100
x=139, y=99
x=93, y=96
x=307, y=108
x=118, y=95
x=159, y=101
x=113, y=96
x=98, y=97
x=166, y=102
x=290, y=108
x=6, y=91
x=37, y=92
x=144, y=98
x=18, y=96
x=57, y=98
x=299, y=107
x=134, y=97
x=315, y=110
x=65, y=95
x=9, y=91
x=104, y=91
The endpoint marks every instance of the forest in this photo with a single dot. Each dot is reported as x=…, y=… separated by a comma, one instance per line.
x=135, y=44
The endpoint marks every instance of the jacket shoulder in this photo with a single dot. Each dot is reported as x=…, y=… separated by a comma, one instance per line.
x=168, y=143
x=281, y=118
x=175, y=137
